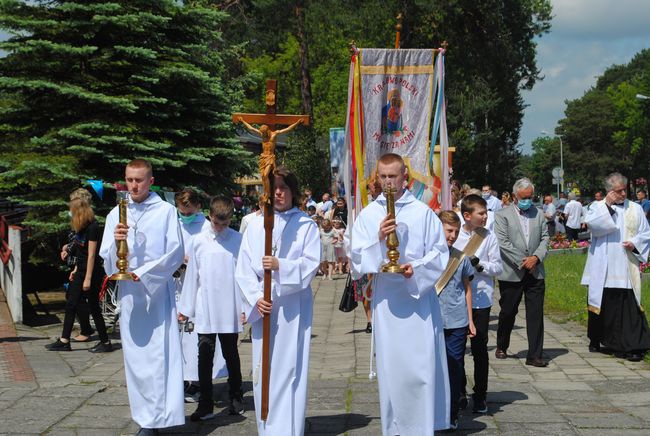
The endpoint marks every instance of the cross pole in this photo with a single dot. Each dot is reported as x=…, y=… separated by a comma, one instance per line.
x=271, y=120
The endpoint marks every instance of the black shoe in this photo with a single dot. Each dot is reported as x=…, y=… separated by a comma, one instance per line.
x=147, y=432
x=634, y=356
x=594, y=348
x=537, y=362
x=480, y=406
x=463, y=402
x=369, y=328
x=500, y=354
x=202, y=414
x=101, y=347
x=58, y=346
x=236, y=406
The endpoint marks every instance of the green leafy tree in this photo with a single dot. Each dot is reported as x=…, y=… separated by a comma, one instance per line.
x=490, y=60
x=86, y=86
x=608, y=128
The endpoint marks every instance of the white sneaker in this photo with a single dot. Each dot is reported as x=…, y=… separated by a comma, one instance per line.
x=192, y=398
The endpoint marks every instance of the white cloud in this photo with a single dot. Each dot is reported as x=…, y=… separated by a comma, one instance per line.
x=587, y=36
x=601, y=19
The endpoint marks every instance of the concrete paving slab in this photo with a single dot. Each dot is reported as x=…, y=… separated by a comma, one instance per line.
x=604, y=420
x=564, y=398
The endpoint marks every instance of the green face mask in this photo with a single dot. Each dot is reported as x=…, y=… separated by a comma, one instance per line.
x=187, y=219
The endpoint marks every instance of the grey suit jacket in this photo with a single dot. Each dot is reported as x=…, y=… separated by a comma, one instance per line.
x=514, y=248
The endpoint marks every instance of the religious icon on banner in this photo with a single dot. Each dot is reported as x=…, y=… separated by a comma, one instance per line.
x=391, y=114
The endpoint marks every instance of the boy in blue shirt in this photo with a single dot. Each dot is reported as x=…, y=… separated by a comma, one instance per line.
x=456, y=309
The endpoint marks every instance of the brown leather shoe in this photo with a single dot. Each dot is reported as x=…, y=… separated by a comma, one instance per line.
x=539, y=363
x=500, y=354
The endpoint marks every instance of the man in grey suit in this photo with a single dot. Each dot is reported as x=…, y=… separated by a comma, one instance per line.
x=523, y=235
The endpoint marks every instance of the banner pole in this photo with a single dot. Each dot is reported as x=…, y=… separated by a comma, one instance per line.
x=398, y=30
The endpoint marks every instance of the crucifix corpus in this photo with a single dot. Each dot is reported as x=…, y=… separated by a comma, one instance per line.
x=268, y=132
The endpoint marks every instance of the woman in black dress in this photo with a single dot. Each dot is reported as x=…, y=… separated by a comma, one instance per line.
x=85, y=279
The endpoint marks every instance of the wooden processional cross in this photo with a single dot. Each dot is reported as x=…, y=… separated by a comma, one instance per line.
x=268, y=132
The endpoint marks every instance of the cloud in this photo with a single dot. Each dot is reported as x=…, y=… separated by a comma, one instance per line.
x=587, y=37
x=601, y=19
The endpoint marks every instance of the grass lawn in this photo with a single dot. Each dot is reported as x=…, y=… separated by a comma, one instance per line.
x=565, y=299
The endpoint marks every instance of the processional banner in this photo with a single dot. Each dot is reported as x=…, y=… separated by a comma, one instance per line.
x=337, y=159
x=391, y=110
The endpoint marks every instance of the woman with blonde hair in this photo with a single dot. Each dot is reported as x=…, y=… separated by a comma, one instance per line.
x=505, y=199
x=86, y=277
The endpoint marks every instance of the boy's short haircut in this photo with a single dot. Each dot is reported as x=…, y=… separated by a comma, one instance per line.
x=141, y=163
x=449, y=217
x=312, y=209
x=471, y=202
x=221, y=208
x=188, y=197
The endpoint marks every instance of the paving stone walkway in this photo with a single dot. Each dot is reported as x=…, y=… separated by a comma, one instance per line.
x=79, y=393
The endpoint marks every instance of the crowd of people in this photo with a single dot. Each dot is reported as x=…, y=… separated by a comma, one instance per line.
x=195, y=274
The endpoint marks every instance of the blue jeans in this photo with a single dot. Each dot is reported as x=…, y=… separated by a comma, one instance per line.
x=455, y=340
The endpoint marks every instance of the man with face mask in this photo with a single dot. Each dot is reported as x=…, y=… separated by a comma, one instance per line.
x=523, y=235
x=493, y=203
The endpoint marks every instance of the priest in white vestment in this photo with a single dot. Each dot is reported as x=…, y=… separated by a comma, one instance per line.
x=297, y=250
x=410, y=344
x=148, y=321
x=620, y=240
x=192, y=223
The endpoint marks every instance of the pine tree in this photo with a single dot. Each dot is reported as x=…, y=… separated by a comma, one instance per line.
x=86, y=86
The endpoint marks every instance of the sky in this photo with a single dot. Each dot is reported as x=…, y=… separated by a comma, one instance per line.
x=586, y=37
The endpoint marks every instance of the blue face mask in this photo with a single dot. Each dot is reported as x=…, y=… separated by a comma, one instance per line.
x=524, y=203
x=187, y=219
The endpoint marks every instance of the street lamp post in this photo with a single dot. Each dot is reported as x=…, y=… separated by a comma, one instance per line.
x=561, y=164
x=544, y=132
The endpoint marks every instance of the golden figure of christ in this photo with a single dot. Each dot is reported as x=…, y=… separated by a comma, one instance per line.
x=267, y=158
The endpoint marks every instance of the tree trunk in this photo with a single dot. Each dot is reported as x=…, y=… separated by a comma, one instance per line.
x=305, y=87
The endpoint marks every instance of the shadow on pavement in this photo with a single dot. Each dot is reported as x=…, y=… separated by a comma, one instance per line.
x=335, y=424
x=354, y=332
x=20, y=339
x=548, y=353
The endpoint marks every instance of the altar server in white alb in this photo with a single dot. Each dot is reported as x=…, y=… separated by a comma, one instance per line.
x=620, y=240
x=148, y=321
x=211, y=297
x=294, y=262
x=193, y=222
x=411, y=355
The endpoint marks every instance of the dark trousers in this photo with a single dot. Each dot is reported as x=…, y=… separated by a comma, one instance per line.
x=478, y=344
x=624, y=326
x=455, y=340
x=80, y=303
x=551, y=228
x=572, y=234
x=594, y=329
x=511, y=293
x=206, y=356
